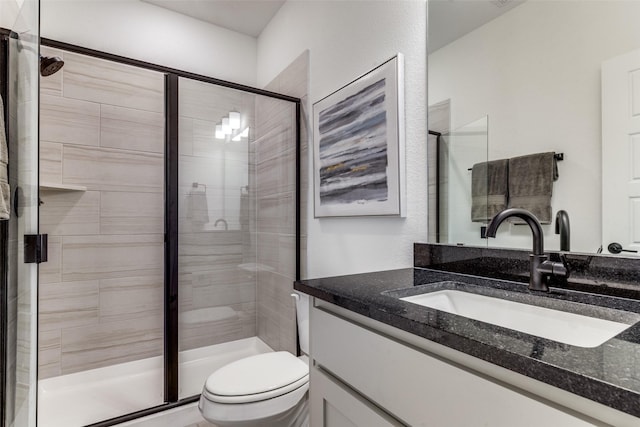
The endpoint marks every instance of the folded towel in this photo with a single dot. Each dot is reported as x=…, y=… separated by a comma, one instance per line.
x=531, y=184
x=5, y=190
x=244, y=211
x=197, y=209
x=5, y=201
x=488, y=189
x=4, y=153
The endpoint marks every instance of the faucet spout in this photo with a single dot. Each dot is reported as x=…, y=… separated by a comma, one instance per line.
x=223, y=221
x=562, y=228
x=528, y=217
x=540, y=267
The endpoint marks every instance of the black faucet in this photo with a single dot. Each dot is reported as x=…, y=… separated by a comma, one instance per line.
x=223, y=221
x=541, y=267
x=562, y=228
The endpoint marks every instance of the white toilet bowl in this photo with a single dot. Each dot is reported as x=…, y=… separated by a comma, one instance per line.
x=266, y=390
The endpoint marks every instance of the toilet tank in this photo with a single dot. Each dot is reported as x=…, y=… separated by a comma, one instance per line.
x=302, y=314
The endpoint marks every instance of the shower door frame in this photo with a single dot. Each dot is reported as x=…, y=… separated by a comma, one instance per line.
x=4, y=232
x=171, y=351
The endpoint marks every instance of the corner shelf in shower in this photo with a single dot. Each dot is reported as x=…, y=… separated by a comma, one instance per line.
x=48, y=186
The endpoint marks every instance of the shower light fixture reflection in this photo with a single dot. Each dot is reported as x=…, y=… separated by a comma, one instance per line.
x=243, y=134
x=228, y=125
x=219, y=132
x=234, y=120
x=225, y=126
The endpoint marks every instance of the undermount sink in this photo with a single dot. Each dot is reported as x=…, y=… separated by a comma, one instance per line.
x=561, y=326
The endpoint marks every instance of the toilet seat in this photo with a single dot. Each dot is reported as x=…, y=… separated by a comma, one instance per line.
x=268, y=412
x=257, y=378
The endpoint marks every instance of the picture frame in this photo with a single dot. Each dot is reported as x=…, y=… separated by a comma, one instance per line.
x=359, y=147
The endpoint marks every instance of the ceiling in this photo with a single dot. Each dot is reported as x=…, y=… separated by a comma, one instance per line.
x=248, y=17
x=451, y=19
x=448, y=19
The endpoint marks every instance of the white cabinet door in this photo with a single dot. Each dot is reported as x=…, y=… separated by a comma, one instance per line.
x=621, y=151
x=332, y=405
x=417, y=388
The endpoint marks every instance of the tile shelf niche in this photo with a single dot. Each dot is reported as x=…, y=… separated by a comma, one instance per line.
x=49, y=186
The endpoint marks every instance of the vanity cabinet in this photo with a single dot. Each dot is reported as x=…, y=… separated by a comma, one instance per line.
x=361, y=376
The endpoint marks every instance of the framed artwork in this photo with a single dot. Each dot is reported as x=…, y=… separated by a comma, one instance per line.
x=358, y=142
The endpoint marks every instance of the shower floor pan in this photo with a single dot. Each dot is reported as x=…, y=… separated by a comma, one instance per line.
x=87, y=397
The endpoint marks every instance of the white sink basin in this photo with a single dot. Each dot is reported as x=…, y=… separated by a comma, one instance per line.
x=561, y=326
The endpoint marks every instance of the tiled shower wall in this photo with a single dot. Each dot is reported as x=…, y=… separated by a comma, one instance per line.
x=103, y=164
x=276, y=185
x=102, y=183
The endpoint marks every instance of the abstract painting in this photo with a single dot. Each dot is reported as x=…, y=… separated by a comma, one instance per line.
x=359, y=146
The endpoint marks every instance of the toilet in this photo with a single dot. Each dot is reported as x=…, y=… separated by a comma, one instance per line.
x=265, y=390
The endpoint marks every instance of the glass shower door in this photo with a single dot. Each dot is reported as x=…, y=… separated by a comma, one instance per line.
x=236, y=229
x=463, y=199
x=22, y=280
x=216, y=258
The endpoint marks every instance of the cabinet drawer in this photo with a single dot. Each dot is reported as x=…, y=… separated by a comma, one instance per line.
x=417, y=388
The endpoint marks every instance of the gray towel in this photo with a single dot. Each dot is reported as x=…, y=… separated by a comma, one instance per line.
x=531, y=184
x=5, y=190
x=197, y=209
x=488, y=189
x=244, y=209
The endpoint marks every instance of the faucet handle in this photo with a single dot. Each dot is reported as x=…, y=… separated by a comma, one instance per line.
x=563, y=259
x=561, y=268
x=555, y=268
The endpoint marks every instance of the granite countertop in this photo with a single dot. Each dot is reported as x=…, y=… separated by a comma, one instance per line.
x=606, y=374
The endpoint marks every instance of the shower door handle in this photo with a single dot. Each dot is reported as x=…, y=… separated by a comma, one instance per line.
x=36, y=248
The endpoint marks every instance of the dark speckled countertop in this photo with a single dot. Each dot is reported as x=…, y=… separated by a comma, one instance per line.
x=607, y=374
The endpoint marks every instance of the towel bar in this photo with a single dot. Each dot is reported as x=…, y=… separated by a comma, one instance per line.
x=558, y=156
x=196, y=185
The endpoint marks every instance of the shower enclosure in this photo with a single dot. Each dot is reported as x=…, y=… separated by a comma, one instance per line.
x=452, y=155
x=460, y=149
x=171, y=205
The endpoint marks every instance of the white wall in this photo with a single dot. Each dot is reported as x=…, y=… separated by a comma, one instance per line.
x=538, y=98
x=8, y=13
x=345, y=40
x=150, y=33
x=20, y=16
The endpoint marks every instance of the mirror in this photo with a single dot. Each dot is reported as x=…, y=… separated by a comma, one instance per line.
x=547, y=73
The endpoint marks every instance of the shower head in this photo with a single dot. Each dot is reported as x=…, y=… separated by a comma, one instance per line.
x=50, y=65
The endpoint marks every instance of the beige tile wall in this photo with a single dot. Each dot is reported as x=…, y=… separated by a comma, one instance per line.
x=101, y=297
x=275, y=213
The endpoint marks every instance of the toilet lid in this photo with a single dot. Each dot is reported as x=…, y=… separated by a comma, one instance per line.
x=257, y=375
